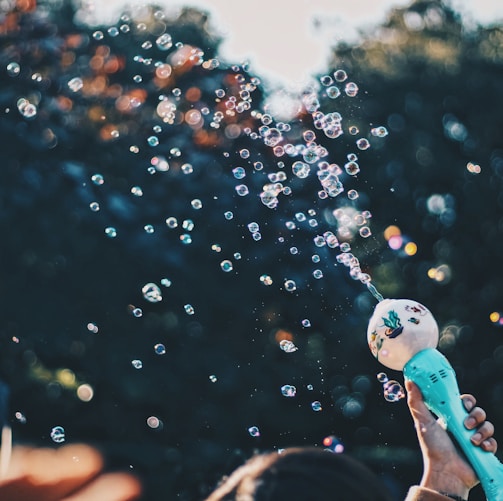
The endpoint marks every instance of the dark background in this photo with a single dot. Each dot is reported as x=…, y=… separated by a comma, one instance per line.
x=435, y=84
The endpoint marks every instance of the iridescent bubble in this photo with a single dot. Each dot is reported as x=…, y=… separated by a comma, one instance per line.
x=137, y=312
x=317, y=274
x=334, y=444
x=58, y=434
x=137, y=364
x=212, y=378
x=196, y=204
x=301, y=169
x=244, y=153
x=287, y=346
x=164, y=42
x=149, y=229
x=98, y=35
x=254, y=431
x=253, y=227
x=189, y=309
x=353, y=130
x=333, y=92
x=379, y=131
x=266, y=279
x=166, y=282
x=363, y=144
x=340, y=75
x=239, y=172
x=288, y=390
x=351, y=89
x=75, y=84
x=393, y=391
x=365, y=231
x=228, y=215
x=315, y=258
x=152, y=292
x=113, y=31
x=352, y=168
x=26, y=109
x=242, y=190
x=382, y=377
x=353, y=194
x=154, y=422
x=110, y=232
x=290, y=285
x=137, y=191
x=20, y=417
x=237, y=256
x=294, y=250
x=226, y=265
x=153, y=141
x=97, y=179
x=186, y=239
x=94, y=206
x=171, y=222
x=316, y=406
x=306, y=323
x=13, y=69
x=160, y=349
x=92, y=327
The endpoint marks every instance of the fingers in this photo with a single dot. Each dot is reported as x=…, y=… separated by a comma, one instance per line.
x=112, y=487
x=476, y=420
x=49, y=474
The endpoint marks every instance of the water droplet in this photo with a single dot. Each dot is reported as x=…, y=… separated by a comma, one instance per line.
x=58, y=434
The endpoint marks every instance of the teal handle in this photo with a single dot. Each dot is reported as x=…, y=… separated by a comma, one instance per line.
x=436, y=379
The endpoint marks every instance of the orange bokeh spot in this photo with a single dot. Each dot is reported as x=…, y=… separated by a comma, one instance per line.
x=392, y=231
x=282, y=334
x=193, y=94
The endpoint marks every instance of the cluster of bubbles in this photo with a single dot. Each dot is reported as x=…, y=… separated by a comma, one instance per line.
x=393, y=391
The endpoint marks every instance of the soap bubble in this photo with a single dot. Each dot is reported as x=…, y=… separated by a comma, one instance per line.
x=254, y=431
x=151, y=292
x=58, y=434
x=288, y=390
x=287, y=346
x=393, y=391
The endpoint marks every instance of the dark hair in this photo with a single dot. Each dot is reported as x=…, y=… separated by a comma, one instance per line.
x=303, y=474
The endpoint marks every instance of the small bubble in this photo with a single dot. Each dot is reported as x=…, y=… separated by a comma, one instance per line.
x=149, y=229
x=92, y=327
x=333, y=92
x=98, y=35
x=171, y=222
x=382, y=377
x=94, y=206
x=187, y=169
x=288, y=390
x=137, y=312
x=151, y=292
x=75, y=84
x=351, y=89
x=196, y=204
x=164, y=42
x=334, y=444
x=316, y=406
x=253, y=227
x=315, y=258
x=186, y=239
x=239, y=172
x=393, y=391
x=365, y=231
x=110, y=232
x=213, y=378
x=154, y=422
x=244, y=153
x=266, y=279
x=166, y=282
x=340, y=75
x=153, y=141
x=317, y=274
x=97, y=179
x=353, y=194
x=20, y=417
x=137, y=364
x=287, y=346
x=306, y=323
x=137, y=191
x=228, y=215
x=379, y=131
x=58, y=434
x=363, y=144
x=189, y=309
x=237, y=255
x=310, y=387
x=159, y=349
x=13, y=69
x=352, y=168
x=242, y=190
x=290, y=285
x=254, y=431
x=353, y=130
x=226, y=265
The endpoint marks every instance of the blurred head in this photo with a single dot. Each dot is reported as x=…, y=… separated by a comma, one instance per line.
x=302, y=474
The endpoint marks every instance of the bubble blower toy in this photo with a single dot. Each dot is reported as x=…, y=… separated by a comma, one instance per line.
x=403, y=335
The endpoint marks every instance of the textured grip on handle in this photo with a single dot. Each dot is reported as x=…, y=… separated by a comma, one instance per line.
x=436, y=378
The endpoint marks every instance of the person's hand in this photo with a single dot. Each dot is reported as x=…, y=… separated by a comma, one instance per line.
x=445, y=469
x=69, y=473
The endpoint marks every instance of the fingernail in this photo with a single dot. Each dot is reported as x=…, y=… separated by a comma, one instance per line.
x=470, y=422
x=468, y=405
x=476, y=438
x=486, y=444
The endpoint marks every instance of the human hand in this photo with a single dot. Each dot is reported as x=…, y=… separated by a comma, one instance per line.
x=445, y=468
x=69, y=473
